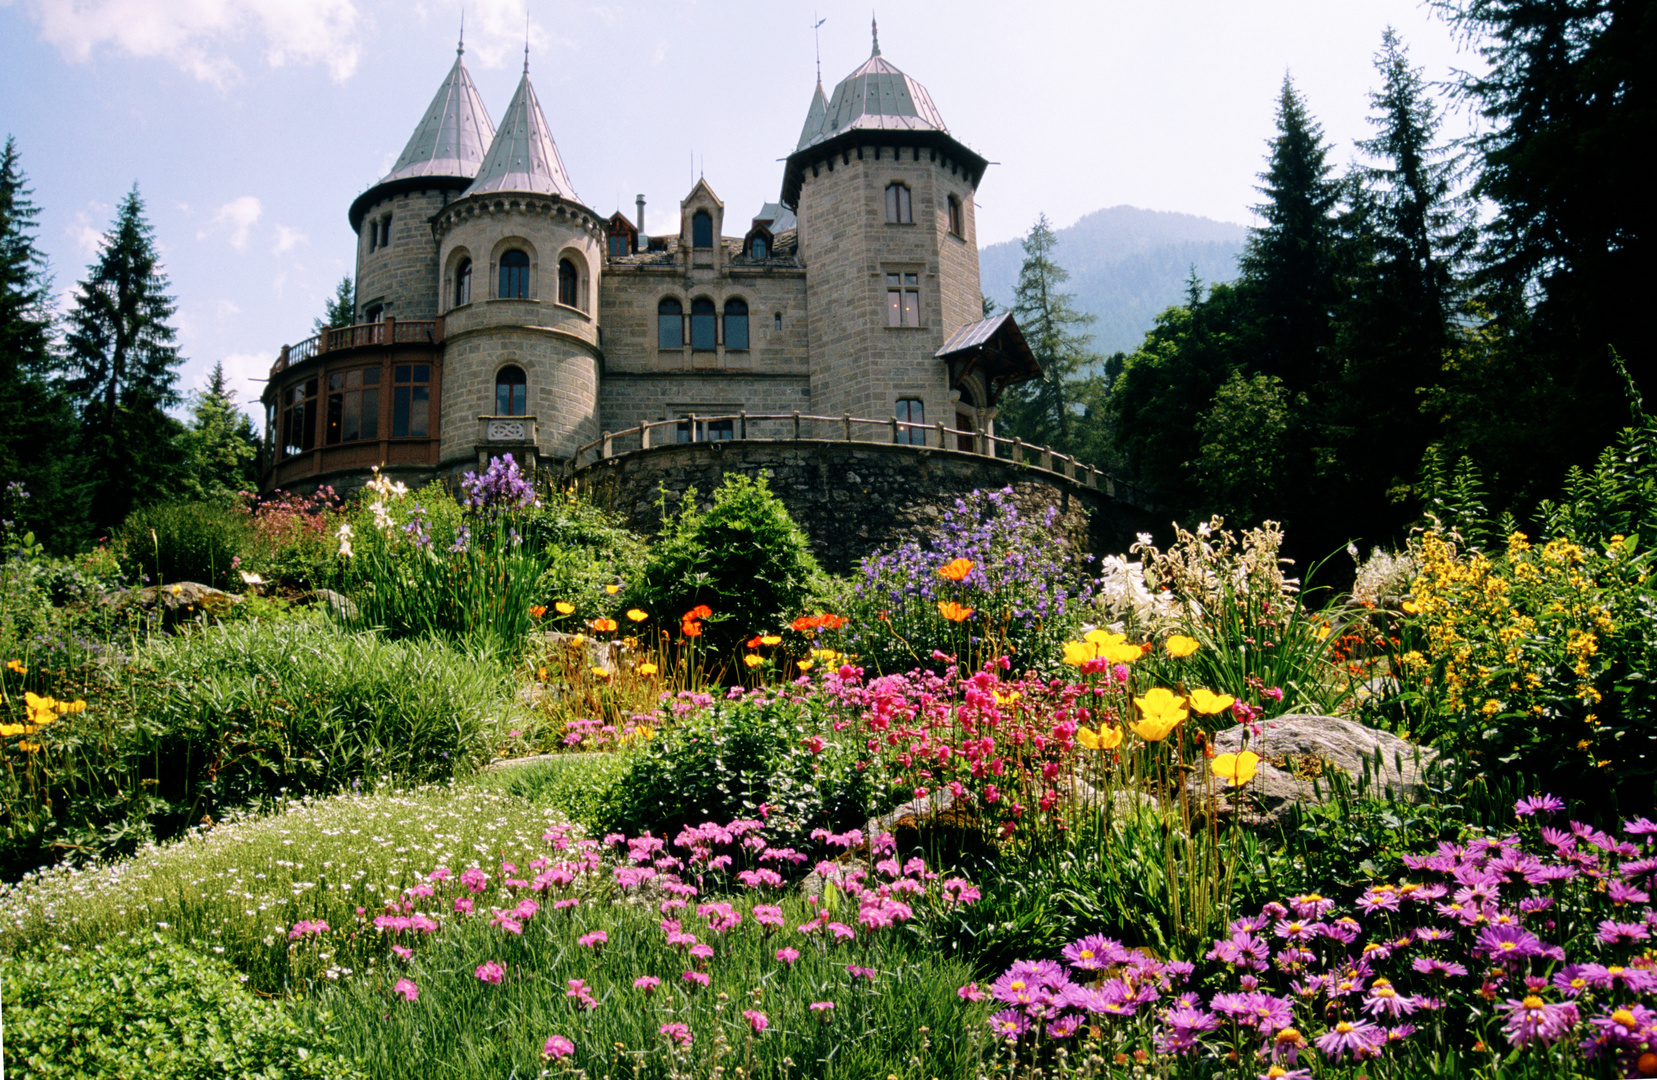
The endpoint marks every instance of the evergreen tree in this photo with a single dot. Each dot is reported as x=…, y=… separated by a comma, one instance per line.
x=1290, y=264
x=123, y=370
x=37, y=429
x=342, y=307
x=220, y=447
x=1046, y=411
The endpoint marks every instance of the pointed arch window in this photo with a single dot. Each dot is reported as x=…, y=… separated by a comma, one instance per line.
x=670, y=324
x=514, y=275
x=736, y=324
x=899, y=206
x=701, y=229
x=703, y=325
x=567, y=283
x=463, y=283
x=511, y=392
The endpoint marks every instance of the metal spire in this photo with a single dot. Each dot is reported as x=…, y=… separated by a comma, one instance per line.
x=874, y=29
x=817, y=43
x=460, y=48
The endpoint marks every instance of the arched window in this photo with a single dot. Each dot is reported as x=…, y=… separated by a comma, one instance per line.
x=757, y=249
x=956, y=224
x=703, y=315
x=511, y=392
x=463, y=282
x=736, y=324
x=566, y=283
x=911, y=411
x=514, y=276
x=670, y=324
x=701, y=229
x=898, y=207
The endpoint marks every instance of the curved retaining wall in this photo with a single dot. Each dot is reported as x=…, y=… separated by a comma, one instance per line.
x=852, y=497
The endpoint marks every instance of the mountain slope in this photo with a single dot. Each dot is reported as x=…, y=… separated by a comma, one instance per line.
x=1126, y=266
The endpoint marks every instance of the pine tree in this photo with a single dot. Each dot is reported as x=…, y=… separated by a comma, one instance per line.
x=220, y=447
x=342, y=307
x=1045, y=411
x=1290, y=264
x=37, y=429
x=123, y=370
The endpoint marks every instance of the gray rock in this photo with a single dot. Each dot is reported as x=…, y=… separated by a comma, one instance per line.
x=1296, y=750
x=182, y=601
x=338, y=604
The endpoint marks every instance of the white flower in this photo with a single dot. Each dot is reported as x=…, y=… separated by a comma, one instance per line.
x=345, y=535
x=382, y=516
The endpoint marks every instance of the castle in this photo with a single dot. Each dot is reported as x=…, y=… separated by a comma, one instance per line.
x=497, y=313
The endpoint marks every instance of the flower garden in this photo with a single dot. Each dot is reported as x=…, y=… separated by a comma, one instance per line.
x=524, y=794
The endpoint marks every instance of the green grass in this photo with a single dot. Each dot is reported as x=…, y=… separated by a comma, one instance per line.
x=573, y=784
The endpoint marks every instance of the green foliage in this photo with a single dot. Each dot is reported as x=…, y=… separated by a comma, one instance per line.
x=726, y=759
x=155, y=1010
x=588, y=549
x=225, y=717
x=220, y=446
x=122, y=365
x=742, y=556
x=183, y=541
x=576, y=785
x=341, y=309
x=1244, y=438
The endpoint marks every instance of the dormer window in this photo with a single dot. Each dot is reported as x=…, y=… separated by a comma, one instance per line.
x=618, y=246
x=757, y=248
x=899, y=208
x=701, y=229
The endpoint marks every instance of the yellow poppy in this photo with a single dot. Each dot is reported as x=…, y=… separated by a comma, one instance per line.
x=804, y=665
x=1009, y=698
x=954, y=612
x=1077, y=653
x=1122, y=652
x=612, y=589
x=955, y=569
x=636, y=615
x=564, y=607
x=1101, y=643
x=1322, y=633
x=577, y=640
x=1208, y=703
x=599, y=673
x=604, y=626
x=771, y=639
x=17, y=666
x=1180, y=646
x=646, y=668
x=1236, y=769
x=1108, y=737
x=1160, y=711
x=1411, y=607
x=753, y=660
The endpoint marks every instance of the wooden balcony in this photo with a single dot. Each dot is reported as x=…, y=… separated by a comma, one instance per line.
x=389, y=332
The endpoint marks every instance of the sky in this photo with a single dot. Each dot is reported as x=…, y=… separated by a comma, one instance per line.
x=249, y=126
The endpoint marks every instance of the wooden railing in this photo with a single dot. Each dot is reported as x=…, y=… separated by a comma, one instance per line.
x=847, y=428
x=386, y=332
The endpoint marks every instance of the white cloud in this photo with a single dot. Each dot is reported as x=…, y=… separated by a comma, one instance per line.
x=195, y=35
x=246, y=374
x=240, y=215
x=87, y=237
x=225, y=309
x=287, y=239
x=495, y=33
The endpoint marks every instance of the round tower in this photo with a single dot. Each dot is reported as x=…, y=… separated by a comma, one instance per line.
x=884, y=197
x=517, y=282
x=397, y=264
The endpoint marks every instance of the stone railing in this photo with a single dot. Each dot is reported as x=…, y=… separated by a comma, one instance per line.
x=847, y=428
x=386, y=332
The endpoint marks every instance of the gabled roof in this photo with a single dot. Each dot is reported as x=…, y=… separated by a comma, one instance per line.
x=523, y=156
x=706, y=189
x=996, y=348
x=454, y=134
x=876, y=96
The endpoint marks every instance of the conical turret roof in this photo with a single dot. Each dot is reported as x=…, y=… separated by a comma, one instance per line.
x=876, y=96
x=453, y=136
x=814, y=117
x=523, y=156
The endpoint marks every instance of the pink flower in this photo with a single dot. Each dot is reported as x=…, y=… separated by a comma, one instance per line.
x=768, y=915
x=788, y=956
x=678, y=1033
x=593, y=940
x=970, y=992
x=407, y=988
x=756, y=1020
x=699, y=978
x=557, y=1047
x=647, y=983
x=463, y=904
x=491, y=972
x=582, y=996
x=823, y=1009
x=403, y=953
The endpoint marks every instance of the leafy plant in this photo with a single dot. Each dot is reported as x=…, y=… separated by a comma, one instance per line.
x=184, y=541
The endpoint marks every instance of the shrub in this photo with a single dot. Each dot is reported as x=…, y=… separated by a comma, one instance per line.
x=742, y=556
x=234, y=714
x=726, y=759
x=1025, y=591
x=290, y=543
x=158, y=1011
x=184, y=541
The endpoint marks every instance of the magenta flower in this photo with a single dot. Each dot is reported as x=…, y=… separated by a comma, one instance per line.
x=593, y=940
x=491, y=972
x=1361, y=1040
x=702, y=952
x=1184, y=1024
x=1009, y=1024
x=970, y=992
x=769, y=915
x=647, y=983
x=1533, y=1020
x=557, y=1048
x=823, y=1009
x=580, y=994
x=678, y=1034
x=402, y=952
x=861, y=972
x=1546, y=805
x=407, y=988
x=788, y=956
x=1094, y=953
x=698, y=977
x=757, y=1021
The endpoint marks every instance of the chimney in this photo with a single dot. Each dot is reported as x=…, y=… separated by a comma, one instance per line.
x=641, y=214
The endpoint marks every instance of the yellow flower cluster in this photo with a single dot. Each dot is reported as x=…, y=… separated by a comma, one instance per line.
x=42, y=711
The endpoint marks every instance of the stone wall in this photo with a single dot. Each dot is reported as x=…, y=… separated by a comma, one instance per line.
x=852, y=497
x=400, y=278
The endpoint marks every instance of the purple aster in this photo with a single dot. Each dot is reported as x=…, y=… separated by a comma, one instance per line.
x=1637, y=980
x=1298, y=929
x=1507, y=944
x=1640, y=826
x=1009, y=1024
x=1262, y=1012
x=1621, y=893
x=1360, y=1039
x=1344, y=930
x=1612, y=932
x=1444, y=969
x=1571, y=980
x=1065, y=1026
x=1094, y=953
x=1311, y=905
x=1384, y=999
x=1628, y=1029
x=1183, y=1024
x=1538, y=804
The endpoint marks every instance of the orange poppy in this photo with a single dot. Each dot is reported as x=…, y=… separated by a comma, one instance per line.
x=604, y=626
x=955, y=569
x=700, y=611
x=804, y=623
x=832, y=622
x=954, y=612
x=538, y=610
x=691, y=628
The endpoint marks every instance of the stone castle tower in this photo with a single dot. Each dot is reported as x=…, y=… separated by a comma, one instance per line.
x=498, y=313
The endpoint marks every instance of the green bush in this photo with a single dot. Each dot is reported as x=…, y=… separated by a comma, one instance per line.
x=587, y=550
x=184, y=541
x=228, y=716
x=743, y=557
x=157, y=1011
x=576, y=785
x=728, y=758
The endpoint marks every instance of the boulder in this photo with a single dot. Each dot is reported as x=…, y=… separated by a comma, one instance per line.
x=182, y=601
x=1298, y=749
x=338, y=605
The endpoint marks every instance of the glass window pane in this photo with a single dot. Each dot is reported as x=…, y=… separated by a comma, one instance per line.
x=419, y=408
x=911, y=309
x=371, y=413
x=422, y=372
x=891, y=202
x=401, y=373
x=894, y=307
x=336, y=381
x=701, y=226
x=371, y=376
x=336, y=417
x=399, y=412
